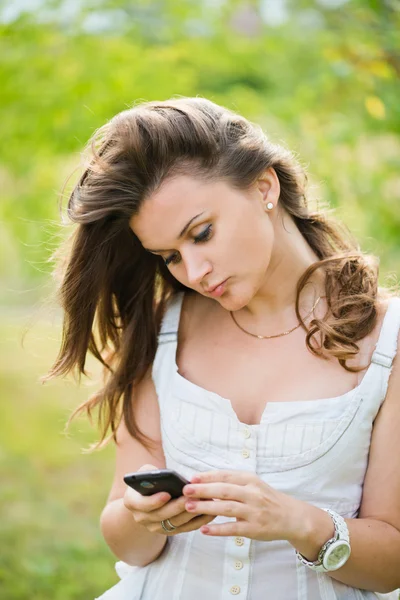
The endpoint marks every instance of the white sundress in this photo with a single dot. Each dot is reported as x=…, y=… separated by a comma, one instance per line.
x=314, y=450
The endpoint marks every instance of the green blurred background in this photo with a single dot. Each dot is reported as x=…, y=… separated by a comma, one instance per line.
x=322, y=77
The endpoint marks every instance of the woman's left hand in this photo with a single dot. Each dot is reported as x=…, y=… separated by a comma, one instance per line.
x=261, y=512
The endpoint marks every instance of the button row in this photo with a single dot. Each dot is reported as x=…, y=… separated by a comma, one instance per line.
x=238, y=564
x=239, y=541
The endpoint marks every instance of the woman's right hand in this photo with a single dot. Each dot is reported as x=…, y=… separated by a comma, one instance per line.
x=149, y=511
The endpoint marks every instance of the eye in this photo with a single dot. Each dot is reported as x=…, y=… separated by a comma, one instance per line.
x=173, y=258
x=204, y=236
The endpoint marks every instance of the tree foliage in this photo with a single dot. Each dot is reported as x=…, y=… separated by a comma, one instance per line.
x=323, y=77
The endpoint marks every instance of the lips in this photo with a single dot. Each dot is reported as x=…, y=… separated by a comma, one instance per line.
x=214, y=287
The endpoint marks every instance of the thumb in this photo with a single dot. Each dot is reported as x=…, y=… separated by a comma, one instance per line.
x=148, y=467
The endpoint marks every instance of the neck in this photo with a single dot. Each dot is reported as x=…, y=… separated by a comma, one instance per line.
x=274, y=302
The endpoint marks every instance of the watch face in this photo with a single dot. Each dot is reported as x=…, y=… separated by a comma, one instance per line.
x=336, y=555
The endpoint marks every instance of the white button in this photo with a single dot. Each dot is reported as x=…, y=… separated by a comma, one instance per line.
x=245, y=453
x=238, y=564
x=246, y=432
x=239, y=541
x=235, y=589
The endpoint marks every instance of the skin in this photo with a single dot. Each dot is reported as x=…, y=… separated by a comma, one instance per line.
x=232, y=235
x=261, y=252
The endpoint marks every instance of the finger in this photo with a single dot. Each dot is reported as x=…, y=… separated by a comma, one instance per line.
x=221, y=491
x=175, y=511
x=152, y=520
x=180, y=521
x=171, y=509
x=135, y=501
x=204, y=519
x=147, y=467
x=223, y=508
x=234, y=528
x=195, y=522
x=225, y=476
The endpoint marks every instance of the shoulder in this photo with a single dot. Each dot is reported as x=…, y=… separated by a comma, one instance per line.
x=382, y=481
x=368, y=343
x=383, y=306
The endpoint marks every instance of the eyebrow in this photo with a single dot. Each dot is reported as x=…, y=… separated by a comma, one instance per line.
x=182, y=233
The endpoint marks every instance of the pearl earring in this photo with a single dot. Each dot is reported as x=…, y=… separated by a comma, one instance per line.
x=270, y=206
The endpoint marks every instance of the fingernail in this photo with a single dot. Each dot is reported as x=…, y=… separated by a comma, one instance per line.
x=190, y=505
x=189, y=490
x=195, y=479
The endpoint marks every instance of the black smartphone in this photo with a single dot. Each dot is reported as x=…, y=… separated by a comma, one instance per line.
x=151, y=482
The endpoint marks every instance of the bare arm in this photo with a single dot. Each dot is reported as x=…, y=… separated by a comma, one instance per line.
x=128, y=540
x=374, y=563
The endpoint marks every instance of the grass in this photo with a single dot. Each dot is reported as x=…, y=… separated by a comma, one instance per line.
x=51, y=493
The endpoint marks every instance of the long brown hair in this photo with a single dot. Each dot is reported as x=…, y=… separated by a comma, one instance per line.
x=114, y=293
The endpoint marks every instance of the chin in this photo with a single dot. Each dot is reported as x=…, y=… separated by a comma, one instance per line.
x=232, y=302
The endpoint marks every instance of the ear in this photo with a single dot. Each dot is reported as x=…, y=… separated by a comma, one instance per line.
x=269, y=189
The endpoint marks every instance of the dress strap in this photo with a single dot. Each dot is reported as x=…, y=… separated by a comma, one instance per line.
x=170, y=322
x=386, y=347
x=164, y=365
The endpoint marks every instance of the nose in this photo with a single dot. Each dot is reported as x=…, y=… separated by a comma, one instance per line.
x=196, y=269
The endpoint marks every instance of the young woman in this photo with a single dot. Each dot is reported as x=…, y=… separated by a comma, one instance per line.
x=249, y=348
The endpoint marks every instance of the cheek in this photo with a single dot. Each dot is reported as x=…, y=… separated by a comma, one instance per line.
x=245, y=248
x=256, y=247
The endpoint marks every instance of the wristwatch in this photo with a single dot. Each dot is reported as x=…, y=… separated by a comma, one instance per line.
x=335, y=552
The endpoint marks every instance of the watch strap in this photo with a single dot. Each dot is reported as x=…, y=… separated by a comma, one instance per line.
x=341, y=533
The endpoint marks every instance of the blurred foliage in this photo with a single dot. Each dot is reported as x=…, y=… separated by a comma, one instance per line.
x=323, y=77
x=51, y=495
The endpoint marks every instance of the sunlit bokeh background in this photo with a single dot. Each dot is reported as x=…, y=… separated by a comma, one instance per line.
x=321, y=77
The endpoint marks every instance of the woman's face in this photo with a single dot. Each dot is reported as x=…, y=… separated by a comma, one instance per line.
x=215, y=239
